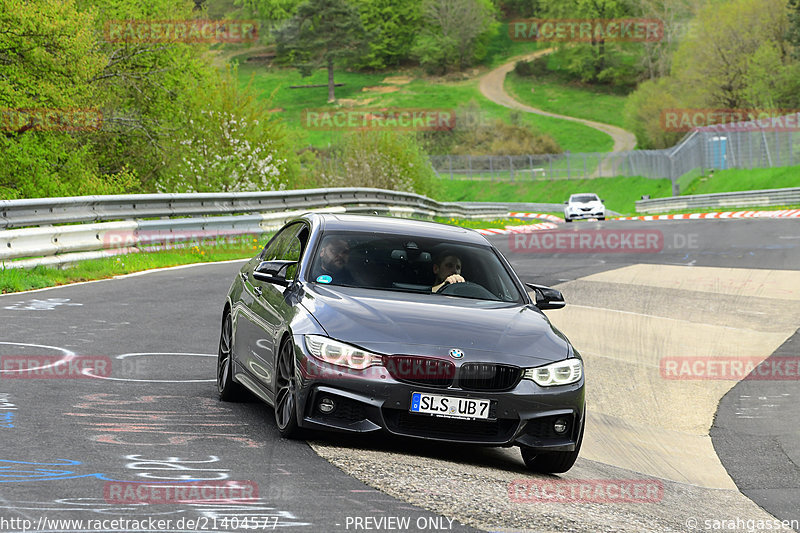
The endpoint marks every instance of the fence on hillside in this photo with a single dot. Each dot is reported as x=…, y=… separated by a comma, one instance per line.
x=725, y=146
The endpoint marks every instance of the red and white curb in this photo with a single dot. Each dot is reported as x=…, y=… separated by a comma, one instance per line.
x=785, y=213
x=518, y=229
x=540, y=216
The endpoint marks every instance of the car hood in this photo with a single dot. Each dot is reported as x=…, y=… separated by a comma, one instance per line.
x=388, y=322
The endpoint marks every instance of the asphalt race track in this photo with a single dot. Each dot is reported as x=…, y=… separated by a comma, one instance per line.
x=139, y=408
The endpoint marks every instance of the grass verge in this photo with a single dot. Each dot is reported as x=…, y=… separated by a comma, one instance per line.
x=738, y=179
x=620, y=194
x=565, y=99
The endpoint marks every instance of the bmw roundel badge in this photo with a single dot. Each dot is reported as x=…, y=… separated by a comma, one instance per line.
x=455, y=353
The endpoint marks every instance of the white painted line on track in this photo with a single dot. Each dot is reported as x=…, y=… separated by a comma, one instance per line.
x=123, y=276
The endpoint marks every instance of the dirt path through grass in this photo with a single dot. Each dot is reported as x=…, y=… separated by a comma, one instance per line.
x=491, y=86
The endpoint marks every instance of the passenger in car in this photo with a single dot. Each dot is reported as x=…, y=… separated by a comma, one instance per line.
x=447, y=269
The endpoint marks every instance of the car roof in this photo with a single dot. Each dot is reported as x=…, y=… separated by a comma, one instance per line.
x=397, y=226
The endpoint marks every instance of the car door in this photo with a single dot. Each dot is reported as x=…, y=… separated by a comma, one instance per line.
x=251, y=330
x=271, y=311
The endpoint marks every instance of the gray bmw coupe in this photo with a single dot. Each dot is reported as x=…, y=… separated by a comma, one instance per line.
x=364, y=323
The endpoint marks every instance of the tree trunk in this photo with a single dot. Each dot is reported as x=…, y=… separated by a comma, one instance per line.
x=601, y=63
x=331, y=84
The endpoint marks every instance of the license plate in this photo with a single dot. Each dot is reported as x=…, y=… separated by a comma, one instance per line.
x=450, y=406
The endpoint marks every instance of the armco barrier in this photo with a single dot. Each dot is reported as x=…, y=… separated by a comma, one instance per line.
x=25, y=247
x=40, y=211
x=768, y=197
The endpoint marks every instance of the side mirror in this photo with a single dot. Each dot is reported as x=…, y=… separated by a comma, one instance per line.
x=545, y=297
x=273, y=271
x=565, y=203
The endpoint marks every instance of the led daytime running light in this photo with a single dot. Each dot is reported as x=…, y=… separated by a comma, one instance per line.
x=339, y=353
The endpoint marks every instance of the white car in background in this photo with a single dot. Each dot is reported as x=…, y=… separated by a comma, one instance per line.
x=584, y=205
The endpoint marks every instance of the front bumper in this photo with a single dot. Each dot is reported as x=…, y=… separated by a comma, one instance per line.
x=581, y=215
x=373, y=400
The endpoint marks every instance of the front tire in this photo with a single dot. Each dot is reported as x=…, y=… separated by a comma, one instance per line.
x=229, y=390
x=286, y=396
x=567, y=220
x=552, y=462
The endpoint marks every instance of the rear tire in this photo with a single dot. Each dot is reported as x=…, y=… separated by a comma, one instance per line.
x=552, y=462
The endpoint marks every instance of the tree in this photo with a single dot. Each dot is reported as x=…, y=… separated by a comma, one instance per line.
x=675, y=16
x=48, y=58
x=144, y=87
x=321, y=33
x=230, y=141
x=393, y=25
x=722, y=64
x=718, y=61
x=643, y=110
x=269, y=12
x=455, y=33
x=793, y=34
x=590, y=60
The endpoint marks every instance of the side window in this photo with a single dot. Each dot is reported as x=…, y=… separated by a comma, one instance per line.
x=294, y=250
x=274, y=248
x=287, y=245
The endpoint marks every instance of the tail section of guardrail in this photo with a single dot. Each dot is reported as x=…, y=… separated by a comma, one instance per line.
x=63, y=230
x=768, y=197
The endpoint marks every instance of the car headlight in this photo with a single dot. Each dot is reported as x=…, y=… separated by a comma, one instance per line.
x=339, y=353
x=560, y=373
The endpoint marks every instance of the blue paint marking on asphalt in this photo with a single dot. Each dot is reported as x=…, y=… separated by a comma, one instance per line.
x=12, y=474
x=7, y=420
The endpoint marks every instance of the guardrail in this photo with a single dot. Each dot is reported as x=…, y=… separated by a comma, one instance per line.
x=767, y=197
x=151, y=219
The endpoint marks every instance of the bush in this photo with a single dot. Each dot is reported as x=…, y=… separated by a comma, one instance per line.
x=230, y=142
x=384, y=160
x=476, y=134
x=534, y=67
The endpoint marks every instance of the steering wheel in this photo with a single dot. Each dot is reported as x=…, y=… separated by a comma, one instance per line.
x=468, y=289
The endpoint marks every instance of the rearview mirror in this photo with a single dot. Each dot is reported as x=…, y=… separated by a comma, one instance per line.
x=273, y=271
x=545, y=297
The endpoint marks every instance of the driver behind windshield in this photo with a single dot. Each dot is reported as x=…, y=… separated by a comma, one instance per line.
x=447, y=269
x=332, y=262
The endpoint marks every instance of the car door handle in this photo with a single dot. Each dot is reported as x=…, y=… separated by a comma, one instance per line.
x=258, y=290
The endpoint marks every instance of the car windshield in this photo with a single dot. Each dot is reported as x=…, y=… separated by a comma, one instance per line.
x=584, y=198
x=407, y=263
